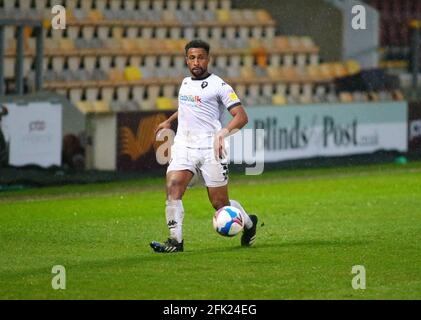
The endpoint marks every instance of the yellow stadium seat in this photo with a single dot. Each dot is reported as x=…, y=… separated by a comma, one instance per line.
x=223, y=15
x=279, y=100
x=281, y=42
x=326, y=71
x=95, y=15
x=46, y=23
x=66, y=44
x=345, y=97
x=129, y=44
x=85, y=106
x=132, y=73
x=339, y=70
x=290, y=73
x=263, y=16
x=353, y=67
x=164, y=103
x=101, y=106
x=273, y=72
x=313, y=71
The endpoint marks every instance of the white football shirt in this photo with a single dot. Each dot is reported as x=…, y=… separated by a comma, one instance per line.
x=201, y=105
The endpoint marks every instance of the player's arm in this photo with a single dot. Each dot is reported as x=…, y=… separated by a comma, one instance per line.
x=167, y=123
x=238, y=121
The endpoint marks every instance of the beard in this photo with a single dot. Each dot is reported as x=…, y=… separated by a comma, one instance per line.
x=198, y=72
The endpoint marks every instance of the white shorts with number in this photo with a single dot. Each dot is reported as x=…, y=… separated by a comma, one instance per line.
x=201, y=162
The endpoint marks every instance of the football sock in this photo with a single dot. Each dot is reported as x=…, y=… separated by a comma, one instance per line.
x=247, y=222
x=174, y=213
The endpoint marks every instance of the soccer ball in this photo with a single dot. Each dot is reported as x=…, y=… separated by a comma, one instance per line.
x=227, y=221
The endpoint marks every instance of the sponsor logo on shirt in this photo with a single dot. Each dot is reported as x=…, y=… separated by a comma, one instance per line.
x=190, y=98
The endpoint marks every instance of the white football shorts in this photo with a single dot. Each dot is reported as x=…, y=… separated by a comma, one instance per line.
x=201, y=162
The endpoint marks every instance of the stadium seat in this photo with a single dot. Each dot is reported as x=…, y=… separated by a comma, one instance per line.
x=288, y=60
x=212, y=5
x=257, y=32
x=352, y=67
x=101, y=106
x=164, y=103
x=92, y=93
x=58, y=63
x=263, y=16
x=116, y=75
x=314, y=58
x=345, y=97
x=301, y=60
x=132, y=73
x=122, y=93
x=240, y=89
x=274, y=60
x=107, y=93
x=85, y=106
x=138, y=93
x=247, y=72
x=279, y=100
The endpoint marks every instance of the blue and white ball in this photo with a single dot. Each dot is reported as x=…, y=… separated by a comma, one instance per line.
x=228, y=222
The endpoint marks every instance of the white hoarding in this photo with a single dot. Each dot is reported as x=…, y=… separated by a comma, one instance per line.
x=298, y=132
x=34, y=134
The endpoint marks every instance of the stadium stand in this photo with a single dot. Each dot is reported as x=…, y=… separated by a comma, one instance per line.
x=396, y=16
x=127, y=55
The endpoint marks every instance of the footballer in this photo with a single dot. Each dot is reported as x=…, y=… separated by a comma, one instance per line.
x=199, y=147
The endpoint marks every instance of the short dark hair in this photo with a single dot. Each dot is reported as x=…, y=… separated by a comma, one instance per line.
x=198, y=44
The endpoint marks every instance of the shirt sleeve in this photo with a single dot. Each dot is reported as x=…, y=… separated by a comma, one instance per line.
x=228, y=97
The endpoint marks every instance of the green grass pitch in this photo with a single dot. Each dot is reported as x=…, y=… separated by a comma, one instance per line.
x=318, y=224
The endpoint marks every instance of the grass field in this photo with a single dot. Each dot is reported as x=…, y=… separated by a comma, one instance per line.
x=318, y=224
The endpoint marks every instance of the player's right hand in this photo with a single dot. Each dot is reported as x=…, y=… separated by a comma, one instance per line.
x=163, y=125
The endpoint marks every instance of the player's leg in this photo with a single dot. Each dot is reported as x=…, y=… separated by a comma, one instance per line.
x=250, y=225
x=179, y=174
x=177, y=182
x=215, y=175
x=218, y=196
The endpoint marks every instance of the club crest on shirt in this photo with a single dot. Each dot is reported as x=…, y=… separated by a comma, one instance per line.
x=204, y=84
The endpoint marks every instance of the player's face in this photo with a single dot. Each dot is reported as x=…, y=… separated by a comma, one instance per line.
x=197, y=60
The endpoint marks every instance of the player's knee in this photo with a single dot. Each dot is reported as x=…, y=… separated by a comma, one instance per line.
x=174, y=189
x=219, y=203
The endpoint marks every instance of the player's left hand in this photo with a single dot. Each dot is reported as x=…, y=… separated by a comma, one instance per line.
x=219, y=144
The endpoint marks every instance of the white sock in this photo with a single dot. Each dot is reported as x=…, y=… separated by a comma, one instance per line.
x=247, y=222
x=174, y=213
